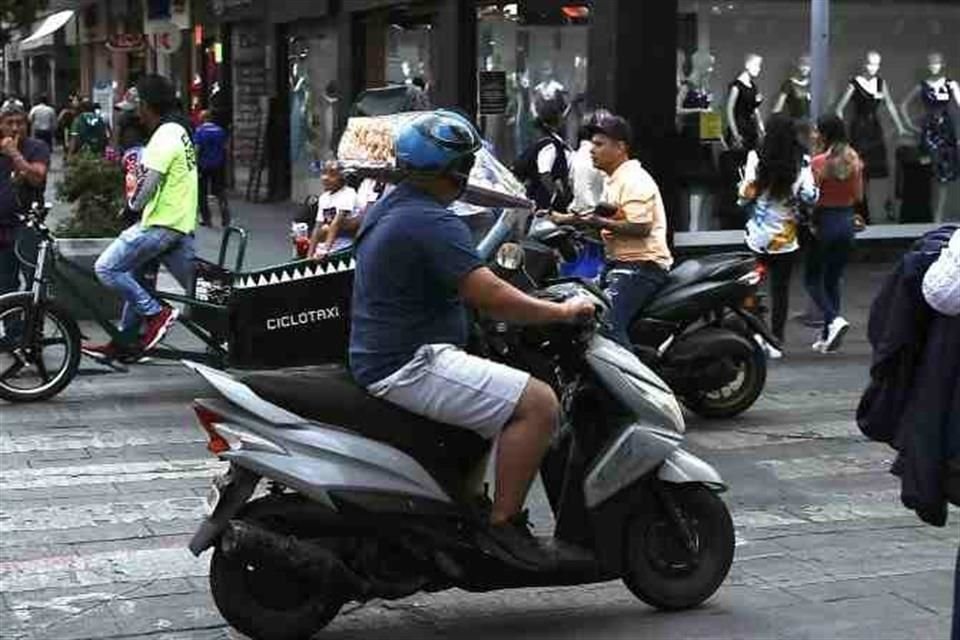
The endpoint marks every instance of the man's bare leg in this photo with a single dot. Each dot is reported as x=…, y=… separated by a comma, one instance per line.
x=523, y=443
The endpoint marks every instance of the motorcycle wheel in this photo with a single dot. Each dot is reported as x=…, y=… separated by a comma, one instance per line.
x=662, y=572
x=47, y=363
x=739, y=395
x=265, y=602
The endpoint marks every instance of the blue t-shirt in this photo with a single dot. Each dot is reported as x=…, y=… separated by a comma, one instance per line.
x=211, y=142
x=411, y=253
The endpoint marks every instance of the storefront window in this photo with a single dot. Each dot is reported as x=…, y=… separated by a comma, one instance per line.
x=909, y=52
x=535, y=55
x=314, y=97
x=741, y=61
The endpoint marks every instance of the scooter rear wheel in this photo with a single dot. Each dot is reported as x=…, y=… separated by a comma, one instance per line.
x=267, y=602
x=739, y=394
x=662, y=571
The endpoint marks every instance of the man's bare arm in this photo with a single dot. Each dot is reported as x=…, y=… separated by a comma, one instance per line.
x=484, y=291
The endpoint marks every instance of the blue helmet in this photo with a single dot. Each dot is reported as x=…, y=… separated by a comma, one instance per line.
x=438, y=142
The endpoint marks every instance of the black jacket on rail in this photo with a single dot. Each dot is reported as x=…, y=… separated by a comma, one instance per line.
x=913, y=399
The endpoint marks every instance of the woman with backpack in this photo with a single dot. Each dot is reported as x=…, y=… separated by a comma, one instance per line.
x=777, y=183
x=839, y=174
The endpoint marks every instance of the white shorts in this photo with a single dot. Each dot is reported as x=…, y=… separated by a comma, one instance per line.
x=446, y=384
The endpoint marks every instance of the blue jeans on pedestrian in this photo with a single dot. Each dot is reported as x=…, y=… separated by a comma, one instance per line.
x=121, y=266
x=630, y=286
x=827, y=259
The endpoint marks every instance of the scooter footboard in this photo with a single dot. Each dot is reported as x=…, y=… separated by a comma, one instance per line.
x=682, y=467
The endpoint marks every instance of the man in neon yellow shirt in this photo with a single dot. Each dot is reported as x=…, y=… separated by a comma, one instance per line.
x=165, y=201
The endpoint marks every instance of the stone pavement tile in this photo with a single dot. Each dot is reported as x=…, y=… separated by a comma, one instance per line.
x=52, y=612
x=41, y=494
x=931, y=590
x=37, y=459
x=30, y=545
x=177, y=612
x=780, y=570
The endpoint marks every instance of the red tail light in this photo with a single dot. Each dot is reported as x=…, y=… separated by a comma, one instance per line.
x=208, y=420
x=761, y=270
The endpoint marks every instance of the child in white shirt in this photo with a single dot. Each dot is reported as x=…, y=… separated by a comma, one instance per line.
x=337, y=213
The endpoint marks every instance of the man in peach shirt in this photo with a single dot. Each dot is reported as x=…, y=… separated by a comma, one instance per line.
x=632, y=224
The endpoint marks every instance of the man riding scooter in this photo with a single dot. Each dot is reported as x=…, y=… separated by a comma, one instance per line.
x=416, y=271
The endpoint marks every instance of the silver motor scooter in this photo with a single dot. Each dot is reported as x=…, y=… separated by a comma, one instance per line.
x=334, y=496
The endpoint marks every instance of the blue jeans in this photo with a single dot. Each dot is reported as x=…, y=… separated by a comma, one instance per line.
x=827, y=259
x=630, y=286
x=121, y=266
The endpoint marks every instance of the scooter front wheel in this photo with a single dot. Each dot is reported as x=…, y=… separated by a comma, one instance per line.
x=39, y=348
x=665, y=570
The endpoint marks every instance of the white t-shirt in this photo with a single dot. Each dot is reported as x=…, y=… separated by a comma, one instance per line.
x=329, y=204
x=587, y=180
x=43, y=117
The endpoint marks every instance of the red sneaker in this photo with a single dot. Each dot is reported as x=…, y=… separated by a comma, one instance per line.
x=100, y=352
x=157, y=327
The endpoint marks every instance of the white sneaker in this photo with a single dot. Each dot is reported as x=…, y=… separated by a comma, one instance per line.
x=819, y=345
x=772, y=352
x=838, y=328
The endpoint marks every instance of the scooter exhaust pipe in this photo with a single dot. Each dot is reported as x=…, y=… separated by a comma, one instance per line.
x=314, y=563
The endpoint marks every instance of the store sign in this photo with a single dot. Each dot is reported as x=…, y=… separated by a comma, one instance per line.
x=493, y=92
x=126, y=42
x=164, y=37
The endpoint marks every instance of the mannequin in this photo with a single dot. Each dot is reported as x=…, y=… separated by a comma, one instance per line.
x=696, y=88
x=867, y=91
x=700, y=164
x=795, y=91
x=938, y=137
x=299, y=108
x=744, y=122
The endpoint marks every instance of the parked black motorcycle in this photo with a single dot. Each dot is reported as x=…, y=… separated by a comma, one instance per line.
x=699, y=333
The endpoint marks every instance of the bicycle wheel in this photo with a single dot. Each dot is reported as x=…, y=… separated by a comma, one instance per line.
x=39, y=366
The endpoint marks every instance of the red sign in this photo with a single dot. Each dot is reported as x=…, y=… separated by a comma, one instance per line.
x=126, y=42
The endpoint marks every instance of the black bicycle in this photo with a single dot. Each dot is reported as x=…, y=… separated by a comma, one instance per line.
x=40, y=338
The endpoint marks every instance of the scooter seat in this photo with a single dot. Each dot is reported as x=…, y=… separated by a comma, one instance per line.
x=328, y=394
x=707, y=267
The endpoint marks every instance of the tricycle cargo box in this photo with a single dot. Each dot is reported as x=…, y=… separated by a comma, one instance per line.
x=292, y=314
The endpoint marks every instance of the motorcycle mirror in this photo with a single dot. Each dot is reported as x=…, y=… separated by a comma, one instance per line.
x=510, y=256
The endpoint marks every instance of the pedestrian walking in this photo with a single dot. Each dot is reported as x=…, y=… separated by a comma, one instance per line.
x=65, y=120
x=211, y=142
x=338, y=211
x=838, y=172
x=89, y=132
x=129, y=132
x=43, y=121
x=632, y=223
x=24, y=162
x=777, y=183
x=941, y=290
x=544, y=166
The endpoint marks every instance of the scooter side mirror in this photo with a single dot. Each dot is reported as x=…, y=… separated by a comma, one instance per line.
x=510, y=256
